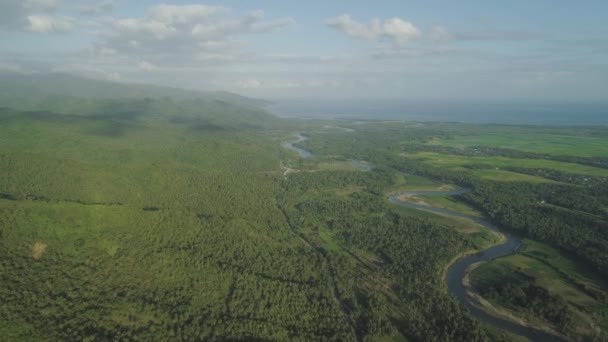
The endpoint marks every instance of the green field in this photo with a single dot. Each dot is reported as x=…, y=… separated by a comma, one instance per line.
x=452, y=161
x=337, y=166
x=560, y=275
x=479, y=237
x=447, y=202
x=413, y=182
x=147, y=214
x=509, y=176
x=576, y=143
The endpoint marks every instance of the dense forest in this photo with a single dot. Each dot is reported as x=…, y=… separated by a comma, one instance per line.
x=527, y=295
x=164, y=216
x=410, y=252
x=564, y=209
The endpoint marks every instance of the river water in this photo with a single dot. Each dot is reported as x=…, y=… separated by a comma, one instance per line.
x=362, y=165
x=458, y=270
x=302, y=152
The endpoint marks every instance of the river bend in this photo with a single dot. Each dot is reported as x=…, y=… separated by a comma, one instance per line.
x=458, y=271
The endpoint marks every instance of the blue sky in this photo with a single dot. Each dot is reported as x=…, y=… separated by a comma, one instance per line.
x=438, y=50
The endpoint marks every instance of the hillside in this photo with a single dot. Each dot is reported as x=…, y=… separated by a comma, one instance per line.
x=63, y=97
x=30, y=91
x=170, y=218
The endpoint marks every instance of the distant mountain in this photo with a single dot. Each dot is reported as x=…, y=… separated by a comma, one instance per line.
x=60, y=96
x=27, y=91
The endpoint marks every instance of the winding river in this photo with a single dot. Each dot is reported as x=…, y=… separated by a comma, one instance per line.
x=363, y=166
x=459, y=270
x=302, y=152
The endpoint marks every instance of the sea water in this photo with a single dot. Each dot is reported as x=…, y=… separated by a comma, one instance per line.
x=524, y=113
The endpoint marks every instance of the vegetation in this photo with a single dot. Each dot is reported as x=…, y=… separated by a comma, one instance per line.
x=559, y=200
x=150, y=214
x=526, y=294
x=547, y=287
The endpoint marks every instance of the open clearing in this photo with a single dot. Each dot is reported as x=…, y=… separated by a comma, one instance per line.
x=559, y=274
x=453, y=161
x=558, y=144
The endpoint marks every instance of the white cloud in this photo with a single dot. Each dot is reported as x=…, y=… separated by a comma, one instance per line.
x=250, y=84
x=32, y=16
x=181, y=14
x=86, y=70
x=157, y=29
x=146, y=66
x=40, y=5
x=438, y=34
x=394, y=29
x=176, y=34
x=266, y=26
x=48, y=24
x=101, y=8
x=355, y=29
x=11, y=67
x=13, y=15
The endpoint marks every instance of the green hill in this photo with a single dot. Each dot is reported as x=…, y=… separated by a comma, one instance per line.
x=63, y=97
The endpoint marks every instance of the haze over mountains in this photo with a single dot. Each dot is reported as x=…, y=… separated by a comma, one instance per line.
x=26, y=91
x=303, y=171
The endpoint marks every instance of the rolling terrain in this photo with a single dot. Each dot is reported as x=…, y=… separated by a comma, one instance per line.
x=138, y=213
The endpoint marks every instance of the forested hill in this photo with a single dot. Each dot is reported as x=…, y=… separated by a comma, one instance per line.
x=147, y=215
x=33, y=91
x=52, y=97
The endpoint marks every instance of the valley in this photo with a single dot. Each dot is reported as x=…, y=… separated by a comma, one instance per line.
x=204, y=219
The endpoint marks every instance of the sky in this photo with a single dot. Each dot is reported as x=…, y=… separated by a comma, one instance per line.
x=534, y=50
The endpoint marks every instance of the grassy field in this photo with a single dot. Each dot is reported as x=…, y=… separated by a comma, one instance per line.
x=569, y=269
x=509, y=176
x=413, y=182
x=446, y=202
x=496, y=334
x=453, y=161
x=578, y=143
x=559, y=274
x=479, y=237
x=337, y=166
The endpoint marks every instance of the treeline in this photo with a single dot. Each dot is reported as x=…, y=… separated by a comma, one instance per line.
x=548, y=213
x=197, y=250
x=370, y=142
x=524, y=294
x=569, y=217
x=411, y=253
x=485, y=151
x=374, y=182
x=164, y=275
x=597, y=185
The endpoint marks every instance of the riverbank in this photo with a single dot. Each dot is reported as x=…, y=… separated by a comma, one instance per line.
x=457, y=272
x=499, y=312
x=444, y=271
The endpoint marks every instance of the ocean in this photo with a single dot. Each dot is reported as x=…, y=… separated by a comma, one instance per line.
x=560, y=114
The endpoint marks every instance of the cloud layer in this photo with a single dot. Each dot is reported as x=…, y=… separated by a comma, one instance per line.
x=215, y=47
x=33, y=16
x=396, y=30
x=189, y=32
x=48, y=24
x=98, y=9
